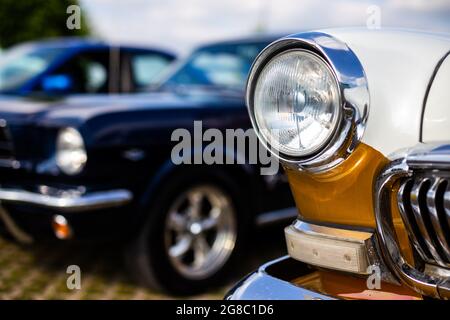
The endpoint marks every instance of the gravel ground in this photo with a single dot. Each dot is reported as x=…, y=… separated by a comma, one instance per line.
x=39, y=271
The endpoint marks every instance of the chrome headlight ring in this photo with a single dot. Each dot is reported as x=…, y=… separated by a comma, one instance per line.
x=354, y=97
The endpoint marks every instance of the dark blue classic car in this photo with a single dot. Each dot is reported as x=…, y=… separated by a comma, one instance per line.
x=99, y=167
x=79, y=66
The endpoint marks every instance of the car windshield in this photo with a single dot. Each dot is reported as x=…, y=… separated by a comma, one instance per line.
x=224, y=65
x=20, y=64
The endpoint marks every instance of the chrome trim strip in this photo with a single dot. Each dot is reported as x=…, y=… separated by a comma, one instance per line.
x=428, y=156
x=94, y=200
x=260, y=285
x=270, y=217
x=331, y=232
x=426, y=284
x=10, y=163
x=353, y=87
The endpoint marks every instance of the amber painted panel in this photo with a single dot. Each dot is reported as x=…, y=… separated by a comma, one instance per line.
x=342, y=195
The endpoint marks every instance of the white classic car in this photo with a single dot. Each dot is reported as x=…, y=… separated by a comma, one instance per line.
x=360, y=120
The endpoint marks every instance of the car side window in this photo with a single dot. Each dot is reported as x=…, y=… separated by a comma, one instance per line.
x=86, y=72
x=146, y=67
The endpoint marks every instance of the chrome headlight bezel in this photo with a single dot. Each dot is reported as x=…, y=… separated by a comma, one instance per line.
x=353, y=90
x=71, y=155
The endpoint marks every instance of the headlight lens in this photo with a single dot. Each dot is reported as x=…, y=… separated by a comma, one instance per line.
x=296, y=103
x=70, y=152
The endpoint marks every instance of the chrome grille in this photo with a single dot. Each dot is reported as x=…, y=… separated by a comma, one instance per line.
x=424, y=205
x=423, y=199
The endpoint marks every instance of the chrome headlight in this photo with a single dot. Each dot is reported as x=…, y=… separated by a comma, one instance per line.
x=296, y=103
x=308, y=99
x=70, y=151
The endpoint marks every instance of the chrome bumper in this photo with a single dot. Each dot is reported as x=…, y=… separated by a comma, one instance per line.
x=70, y=201
x=265, y=285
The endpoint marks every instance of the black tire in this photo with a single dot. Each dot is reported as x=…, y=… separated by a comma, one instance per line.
x=146, y=255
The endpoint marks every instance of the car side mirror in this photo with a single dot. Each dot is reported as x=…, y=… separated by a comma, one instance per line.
x=57, y=84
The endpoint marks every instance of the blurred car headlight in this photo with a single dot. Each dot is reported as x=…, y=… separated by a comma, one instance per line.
x=296, y=103
x=71, y=154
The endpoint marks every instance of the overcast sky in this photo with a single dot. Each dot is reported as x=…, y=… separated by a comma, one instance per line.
x=181, y=24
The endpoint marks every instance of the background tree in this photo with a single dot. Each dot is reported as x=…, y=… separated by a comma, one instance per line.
x=23, y=20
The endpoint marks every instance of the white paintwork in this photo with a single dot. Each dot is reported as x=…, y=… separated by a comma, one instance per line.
x=398, y=66
x=436, y=120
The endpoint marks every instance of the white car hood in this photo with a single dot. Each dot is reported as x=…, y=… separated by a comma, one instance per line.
x=399, y=66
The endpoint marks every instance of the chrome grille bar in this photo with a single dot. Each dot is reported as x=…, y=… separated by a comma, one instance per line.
x=447, y=204
x=421, y=205
x=435, y=202
x=422, y=174
x=422, y=218
x=405, y=209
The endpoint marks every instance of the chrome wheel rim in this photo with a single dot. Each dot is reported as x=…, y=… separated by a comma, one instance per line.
x=200, y=231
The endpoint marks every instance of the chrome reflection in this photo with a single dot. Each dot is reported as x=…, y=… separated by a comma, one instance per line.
x=263, y=285
x=353, y=89
x=430, y=161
